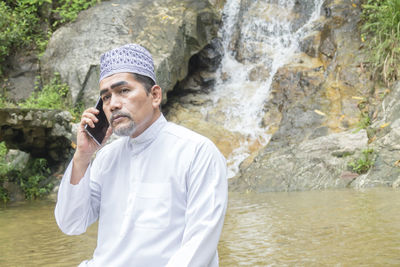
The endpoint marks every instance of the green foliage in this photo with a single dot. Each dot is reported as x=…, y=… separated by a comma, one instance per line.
x=364, y=163
x=4, y=103
x=19, y=25
x=69, y=9
x=365, y=119
x=77, y=111
x=30, y=23
x=3, y=172
x=52, y=96
x=364, y=122
x=381, y=31
x=34, y=179
x=3, y=195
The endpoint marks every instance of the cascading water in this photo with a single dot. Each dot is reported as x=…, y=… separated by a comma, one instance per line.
x=258, y=37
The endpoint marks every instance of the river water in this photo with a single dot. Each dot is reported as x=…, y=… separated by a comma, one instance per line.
x=317, y=228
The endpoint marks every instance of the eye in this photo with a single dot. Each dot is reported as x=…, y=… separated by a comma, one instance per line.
x=124, y=90
x=106, y=98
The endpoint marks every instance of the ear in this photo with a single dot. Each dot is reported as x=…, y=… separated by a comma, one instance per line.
x=156, y=94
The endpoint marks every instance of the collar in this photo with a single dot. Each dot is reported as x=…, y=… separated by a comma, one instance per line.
x=141, y=142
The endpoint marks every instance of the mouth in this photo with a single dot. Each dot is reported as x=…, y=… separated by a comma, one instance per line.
x=118, y=117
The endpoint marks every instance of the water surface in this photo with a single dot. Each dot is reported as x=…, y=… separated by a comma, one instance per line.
x=319, y=228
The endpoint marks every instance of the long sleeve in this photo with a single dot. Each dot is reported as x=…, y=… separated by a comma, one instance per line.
x=77, y=205
x=206, y=206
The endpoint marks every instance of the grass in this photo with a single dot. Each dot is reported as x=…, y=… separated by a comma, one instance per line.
x=54, y=95
x=364, y=163
x=381, y=33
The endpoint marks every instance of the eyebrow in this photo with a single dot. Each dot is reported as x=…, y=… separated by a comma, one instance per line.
x=114, y=85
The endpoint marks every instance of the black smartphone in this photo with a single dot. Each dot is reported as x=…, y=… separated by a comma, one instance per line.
x=100, y=128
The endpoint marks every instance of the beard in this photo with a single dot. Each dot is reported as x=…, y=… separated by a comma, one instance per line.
x=127, y=129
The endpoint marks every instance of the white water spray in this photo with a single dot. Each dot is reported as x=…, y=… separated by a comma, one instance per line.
x=267, y=42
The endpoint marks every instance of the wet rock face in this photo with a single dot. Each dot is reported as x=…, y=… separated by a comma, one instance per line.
x=171, y=30
x=296, y=94
x=202, y=70
x=317, y=93
x=41, y=133
x=313, y=98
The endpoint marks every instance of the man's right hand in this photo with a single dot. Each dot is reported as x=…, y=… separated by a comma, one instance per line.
x=86, y=146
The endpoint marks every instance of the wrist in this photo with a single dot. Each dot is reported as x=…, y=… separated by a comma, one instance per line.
x=81, y=159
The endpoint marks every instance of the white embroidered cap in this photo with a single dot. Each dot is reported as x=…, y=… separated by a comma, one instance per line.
x=128, y=58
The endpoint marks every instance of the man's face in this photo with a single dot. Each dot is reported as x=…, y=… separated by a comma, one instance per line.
x=127, y=105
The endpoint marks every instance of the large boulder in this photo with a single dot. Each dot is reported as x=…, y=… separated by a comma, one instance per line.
x=171, y=30
x=319, y=91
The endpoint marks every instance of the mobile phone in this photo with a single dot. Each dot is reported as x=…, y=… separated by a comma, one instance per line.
x=100, y=128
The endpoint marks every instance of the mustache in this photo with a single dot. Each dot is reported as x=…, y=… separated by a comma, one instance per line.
x=119, y=114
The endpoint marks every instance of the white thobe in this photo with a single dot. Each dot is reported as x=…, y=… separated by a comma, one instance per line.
x=160, y=199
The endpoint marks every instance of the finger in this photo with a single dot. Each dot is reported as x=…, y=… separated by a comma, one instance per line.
x=87, y=121
x=90, y=116
x=92, y=110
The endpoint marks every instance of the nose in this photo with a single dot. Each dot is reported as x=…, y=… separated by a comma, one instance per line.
x=115, y=103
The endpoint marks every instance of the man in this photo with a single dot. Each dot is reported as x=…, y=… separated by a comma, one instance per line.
x=159, y=192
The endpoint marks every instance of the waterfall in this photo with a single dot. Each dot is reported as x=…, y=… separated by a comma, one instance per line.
x=258, y=38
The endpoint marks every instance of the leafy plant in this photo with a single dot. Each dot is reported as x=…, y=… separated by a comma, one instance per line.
x=364, y=163
x=34, y=179
x=4, y=168
x=381, y=31
x=364, y=122
x=69, y=9
x=19, y=25
x=52, y=96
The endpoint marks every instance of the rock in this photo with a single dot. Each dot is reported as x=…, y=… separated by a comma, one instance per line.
x=385, y=142
x=202, y=70
x=320, y=163
x=22, y=76
x=14, y=191
x=208, y=59
x=17, y=159
x=225, y=140
x=318, y=92
x=41, y=133
x=171, y=30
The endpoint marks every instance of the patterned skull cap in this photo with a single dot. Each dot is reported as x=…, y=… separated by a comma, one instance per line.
x=127, y=58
